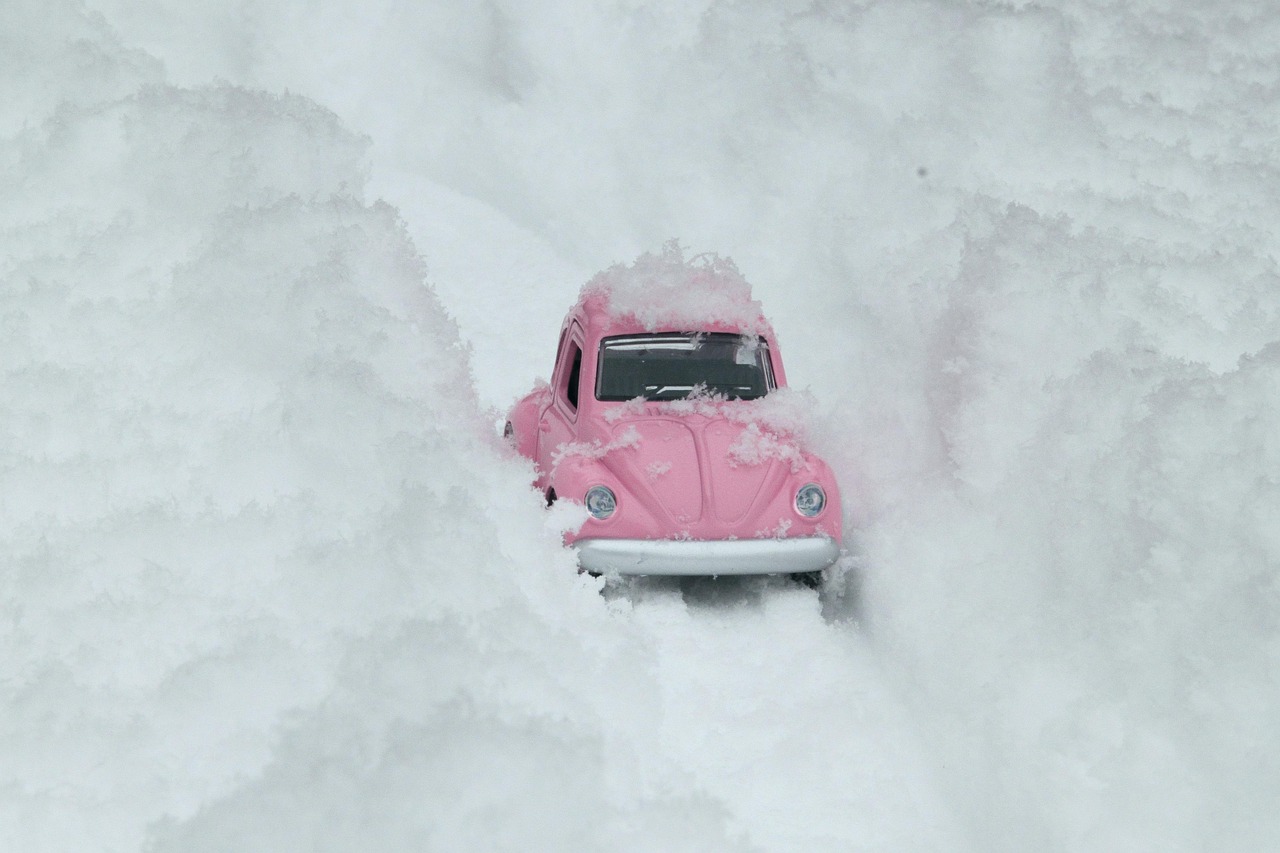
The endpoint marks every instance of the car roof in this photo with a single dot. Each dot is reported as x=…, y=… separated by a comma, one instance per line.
x=667, y=294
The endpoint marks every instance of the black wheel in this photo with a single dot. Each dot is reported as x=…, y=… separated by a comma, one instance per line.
x=812, y=580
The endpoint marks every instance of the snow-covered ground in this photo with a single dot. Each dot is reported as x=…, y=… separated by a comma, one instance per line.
x=269, y=271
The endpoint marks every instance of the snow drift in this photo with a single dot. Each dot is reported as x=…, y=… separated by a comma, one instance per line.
x=268, y=583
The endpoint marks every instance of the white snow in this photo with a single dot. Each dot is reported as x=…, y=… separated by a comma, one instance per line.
x=270, y=581
x=665, y=290
x=654, y=470
x=755, y=446
x=596, y=449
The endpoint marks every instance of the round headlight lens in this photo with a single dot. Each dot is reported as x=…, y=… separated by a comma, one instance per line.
x=810, y=500
x=600, y=502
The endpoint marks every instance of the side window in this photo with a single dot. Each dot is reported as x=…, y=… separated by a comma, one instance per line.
x=571, y=390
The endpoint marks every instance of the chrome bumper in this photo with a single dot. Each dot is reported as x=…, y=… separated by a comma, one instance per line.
x=706, y=557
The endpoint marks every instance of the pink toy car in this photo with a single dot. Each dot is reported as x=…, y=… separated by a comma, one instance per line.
x=666, y=418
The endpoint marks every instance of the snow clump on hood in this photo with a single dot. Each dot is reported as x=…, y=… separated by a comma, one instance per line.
x=783, y=411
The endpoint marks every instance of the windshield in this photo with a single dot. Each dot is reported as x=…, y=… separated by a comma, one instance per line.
x=669, y=366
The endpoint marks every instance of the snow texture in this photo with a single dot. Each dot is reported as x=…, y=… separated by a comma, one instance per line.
x=755, y=447
x=630, y=437
x=270, y=581
x=666, y=291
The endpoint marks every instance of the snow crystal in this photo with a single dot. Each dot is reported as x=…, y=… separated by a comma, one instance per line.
x=779, y=532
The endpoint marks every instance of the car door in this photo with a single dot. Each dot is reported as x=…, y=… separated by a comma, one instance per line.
x=559, y=420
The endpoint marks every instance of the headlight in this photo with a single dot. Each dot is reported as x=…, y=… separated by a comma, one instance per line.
x=810, y=500
x=600, y=502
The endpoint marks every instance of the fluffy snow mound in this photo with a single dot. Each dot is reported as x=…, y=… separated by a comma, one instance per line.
x=266, y=585
x=246, y=494
x=269, y=580
x=665, y=290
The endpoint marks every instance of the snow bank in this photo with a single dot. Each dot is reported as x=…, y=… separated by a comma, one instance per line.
x=270, y=582
x=244, y=482
x=1019, y=251
x=231, y=410
x=1076, y=592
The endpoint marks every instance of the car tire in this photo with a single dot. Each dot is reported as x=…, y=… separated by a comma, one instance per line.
x=810, y=580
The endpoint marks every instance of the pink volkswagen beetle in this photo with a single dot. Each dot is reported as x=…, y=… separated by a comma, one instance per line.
x=666, y=416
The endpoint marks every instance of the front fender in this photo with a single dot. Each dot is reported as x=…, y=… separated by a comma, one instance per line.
x=522, y=422
x=830, y=522
x=576, y=474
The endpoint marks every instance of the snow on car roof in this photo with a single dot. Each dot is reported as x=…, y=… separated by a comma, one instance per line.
x=664, y=291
